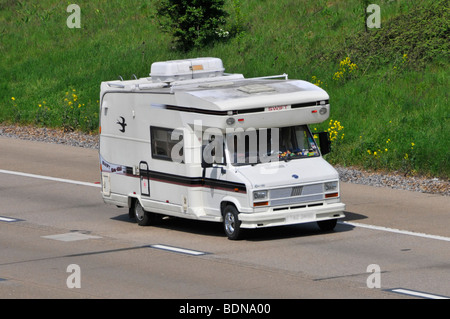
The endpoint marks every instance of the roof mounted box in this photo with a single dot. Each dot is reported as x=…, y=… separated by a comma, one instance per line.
x=178, y=70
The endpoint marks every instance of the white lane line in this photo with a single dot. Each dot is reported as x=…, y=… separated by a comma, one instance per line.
x=417, y=293
x=8, y=220
x=55, y=179
x=397, y=231
x=392, y=230
x=178, y=250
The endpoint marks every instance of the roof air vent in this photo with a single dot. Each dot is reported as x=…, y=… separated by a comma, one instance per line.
x=178, y=70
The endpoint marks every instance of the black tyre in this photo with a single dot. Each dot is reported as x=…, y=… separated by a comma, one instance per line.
x=231, y=223
x=143, y=218
x=327, y=225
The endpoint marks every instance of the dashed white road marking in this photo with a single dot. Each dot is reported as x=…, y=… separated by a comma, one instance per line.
x=49, y=178
x=73, y=236
x=417, y=293
x=178, y=250
x=8, y=219
x=397, y=231
x=380, y=228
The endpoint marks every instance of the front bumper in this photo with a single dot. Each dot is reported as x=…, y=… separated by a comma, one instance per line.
x=292, y=215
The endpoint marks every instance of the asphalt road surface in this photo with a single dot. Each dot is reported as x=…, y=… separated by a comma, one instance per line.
x=59, y=240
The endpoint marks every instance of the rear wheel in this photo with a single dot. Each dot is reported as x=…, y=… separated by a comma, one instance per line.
x=231, y=223
x=327, y=225
x=143, y=217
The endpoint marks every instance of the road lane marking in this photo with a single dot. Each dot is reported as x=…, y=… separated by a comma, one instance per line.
x=380, y=228
x=8, y=219
x=71, y=237
x=417, y=293
x=397, y=231
x=48, y=178
x=178, y=250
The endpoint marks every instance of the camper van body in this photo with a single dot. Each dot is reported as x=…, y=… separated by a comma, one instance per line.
x=180, y=143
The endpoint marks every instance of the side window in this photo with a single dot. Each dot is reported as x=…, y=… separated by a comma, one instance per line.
x=166, y=144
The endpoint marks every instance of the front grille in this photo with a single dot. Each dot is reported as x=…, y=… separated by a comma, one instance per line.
x=297, y=194
x=296, y=200
x=296, y=191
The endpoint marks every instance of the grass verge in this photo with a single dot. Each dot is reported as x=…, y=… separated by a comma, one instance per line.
x=392, y=108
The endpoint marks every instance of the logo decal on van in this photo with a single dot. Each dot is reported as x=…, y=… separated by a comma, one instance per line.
x=122, y=124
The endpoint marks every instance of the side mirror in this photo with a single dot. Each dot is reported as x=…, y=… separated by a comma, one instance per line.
x=206, y=164
x=207, y=159
x=325, y=143
x=213, y=153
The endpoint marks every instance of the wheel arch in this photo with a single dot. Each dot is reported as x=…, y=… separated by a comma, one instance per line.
x=131, y=202
x=229, y=201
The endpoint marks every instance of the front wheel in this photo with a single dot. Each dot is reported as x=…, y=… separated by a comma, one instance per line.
x=231, y=223
x=327, y=225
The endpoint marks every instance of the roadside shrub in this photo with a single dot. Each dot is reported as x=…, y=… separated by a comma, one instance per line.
x=192, y=23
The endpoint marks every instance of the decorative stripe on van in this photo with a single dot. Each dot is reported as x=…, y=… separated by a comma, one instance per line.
x=235, y=112
x=194, y=181
x=175, y=179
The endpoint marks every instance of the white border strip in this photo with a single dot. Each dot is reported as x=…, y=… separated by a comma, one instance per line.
x=55, y=179
x=417, y=293
x=397, y=231
x=178, y=250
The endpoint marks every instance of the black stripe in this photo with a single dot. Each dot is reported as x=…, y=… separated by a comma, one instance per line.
x=195, y=110
x=294, y=106
x=193, y=181
x=170, y=178
x=235, y=112
x=232, y=186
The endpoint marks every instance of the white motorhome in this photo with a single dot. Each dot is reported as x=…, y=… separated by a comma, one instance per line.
x=191, y=141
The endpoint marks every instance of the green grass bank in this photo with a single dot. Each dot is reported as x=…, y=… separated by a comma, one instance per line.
x=388, y=86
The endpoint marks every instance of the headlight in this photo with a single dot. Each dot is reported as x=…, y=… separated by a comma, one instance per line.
x=258, y=195
x=331, y=186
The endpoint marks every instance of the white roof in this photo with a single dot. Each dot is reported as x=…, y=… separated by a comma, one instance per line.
x=208, y=88
x=226, y=94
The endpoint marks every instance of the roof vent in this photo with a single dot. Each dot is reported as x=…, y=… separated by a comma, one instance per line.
x=256, y=88
x=178, y=70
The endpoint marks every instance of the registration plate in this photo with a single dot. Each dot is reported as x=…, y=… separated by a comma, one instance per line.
x=300, y=217
x=277, y=108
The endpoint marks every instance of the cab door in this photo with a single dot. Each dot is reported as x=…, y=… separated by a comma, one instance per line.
x=214, y=174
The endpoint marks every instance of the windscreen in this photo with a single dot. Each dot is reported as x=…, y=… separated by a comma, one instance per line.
x=267, y=145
